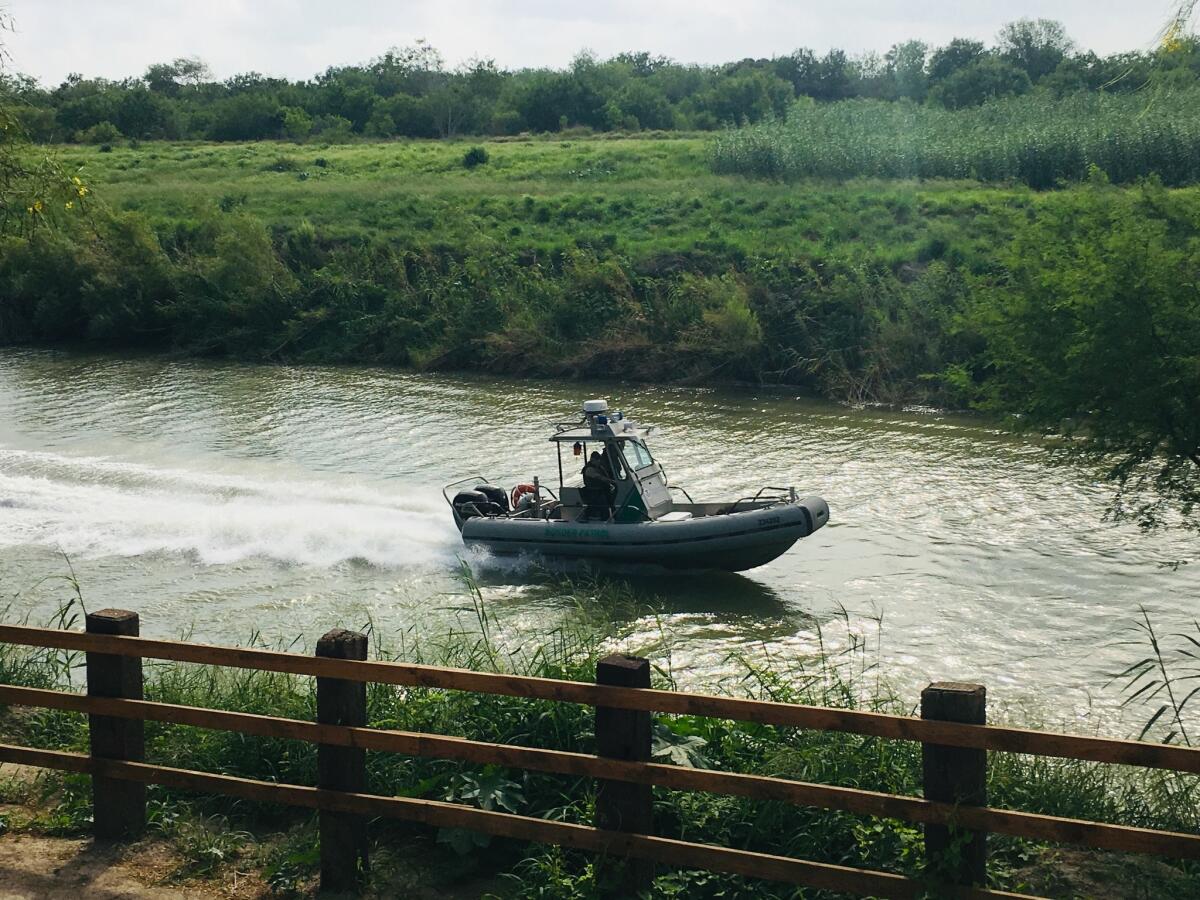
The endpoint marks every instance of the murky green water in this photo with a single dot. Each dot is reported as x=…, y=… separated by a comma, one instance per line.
x=227, y=499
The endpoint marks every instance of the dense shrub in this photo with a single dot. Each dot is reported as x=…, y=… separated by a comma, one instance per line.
x=476, y=156
x=101, y=133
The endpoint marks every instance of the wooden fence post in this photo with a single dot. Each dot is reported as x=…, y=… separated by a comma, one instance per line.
x=339, y=702
x=118, y=807
x=955, y=775
x=625, y=734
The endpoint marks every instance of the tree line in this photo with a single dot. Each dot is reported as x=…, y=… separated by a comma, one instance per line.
x=412, y=92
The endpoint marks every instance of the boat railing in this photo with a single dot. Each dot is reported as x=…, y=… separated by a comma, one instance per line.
x=560, y=427
x=779, y=495
x=446, y=490
x=675, y=487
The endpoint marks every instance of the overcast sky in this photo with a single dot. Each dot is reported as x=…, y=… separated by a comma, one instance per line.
x=298, y=38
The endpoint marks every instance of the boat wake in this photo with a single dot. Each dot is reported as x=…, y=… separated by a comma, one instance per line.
x=96, y=507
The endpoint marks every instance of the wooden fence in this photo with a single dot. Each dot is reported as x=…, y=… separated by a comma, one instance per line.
x=955, y=742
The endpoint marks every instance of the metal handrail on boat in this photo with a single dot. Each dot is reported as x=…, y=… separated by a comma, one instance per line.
x=446, y=496
x=675, y=487
x=783, y=495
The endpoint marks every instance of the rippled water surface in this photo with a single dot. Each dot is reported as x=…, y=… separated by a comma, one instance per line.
x=228, y=499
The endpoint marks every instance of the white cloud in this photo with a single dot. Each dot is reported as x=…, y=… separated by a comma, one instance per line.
x=299, y=38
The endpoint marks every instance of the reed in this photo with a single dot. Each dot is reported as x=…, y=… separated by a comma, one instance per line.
x=1034, y=139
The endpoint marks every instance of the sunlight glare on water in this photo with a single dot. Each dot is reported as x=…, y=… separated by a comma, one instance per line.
x=224, y=499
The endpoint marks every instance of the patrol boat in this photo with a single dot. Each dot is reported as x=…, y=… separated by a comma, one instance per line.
x=631, y=515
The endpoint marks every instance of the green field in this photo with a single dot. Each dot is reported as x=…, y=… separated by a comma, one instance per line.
x=635, y=196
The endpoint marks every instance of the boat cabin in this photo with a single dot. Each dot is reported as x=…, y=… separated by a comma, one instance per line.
x=638, y=486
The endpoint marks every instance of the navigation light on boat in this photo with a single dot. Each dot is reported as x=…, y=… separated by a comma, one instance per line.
x=578, y=448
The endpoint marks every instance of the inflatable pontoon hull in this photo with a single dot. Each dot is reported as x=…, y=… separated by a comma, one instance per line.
x=732, y=542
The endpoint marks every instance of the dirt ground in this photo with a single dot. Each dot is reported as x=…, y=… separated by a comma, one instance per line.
x=62, y=868
x=34, y=867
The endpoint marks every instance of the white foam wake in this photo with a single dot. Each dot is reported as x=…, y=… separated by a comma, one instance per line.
x=95, y=507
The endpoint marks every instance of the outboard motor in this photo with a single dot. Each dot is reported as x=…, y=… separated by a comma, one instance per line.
x=495, y=494
x=475, y=503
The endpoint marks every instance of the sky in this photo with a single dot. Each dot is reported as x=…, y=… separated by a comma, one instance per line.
x=299, y=38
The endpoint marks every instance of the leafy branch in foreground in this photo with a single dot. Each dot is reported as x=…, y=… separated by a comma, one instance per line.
x=1094, y=340
x=35, y=189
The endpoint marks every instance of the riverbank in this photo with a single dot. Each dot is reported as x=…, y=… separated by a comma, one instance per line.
x=580, y=258
x=211, y=835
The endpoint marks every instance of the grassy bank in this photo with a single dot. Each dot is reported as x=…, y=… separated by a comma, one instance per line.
x=211, y=832
x=603, y=258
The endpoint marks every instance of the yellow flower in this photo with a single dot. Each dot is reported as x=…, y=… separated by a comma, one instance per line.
x=70, y=204
x=81, y=191
x=37, y=205
x=1171, y=41
x=76, y=180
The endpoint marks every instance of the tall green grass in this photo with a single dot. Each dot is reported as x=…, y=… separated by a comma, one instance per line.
x=202, y=827
x=1034, y=139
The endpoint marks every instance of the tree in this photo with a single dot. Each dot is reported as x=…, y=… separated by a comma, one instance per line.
x=646, y=102
x=464, y=100
x=906, y=65
x=1095, y=342
x=141, y=113
x=642, y=64
x=297, y=123
x=1036, y=46
x=872, y=76
x=413, y=70
x=833, y=77
x=246, y=117
x=748, y=96
x=958, y=54
x=410, y=115
x=168, y=78
x=84, y=103
x=827, y=78
x=981, y=81
x=548, y=96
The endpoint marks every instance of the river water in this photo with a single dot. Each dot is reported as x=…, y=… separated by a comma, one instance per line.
x=225, y=500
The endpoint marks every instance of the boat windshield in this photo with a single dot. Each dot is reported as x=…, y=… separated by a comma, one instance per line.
x=636, y=455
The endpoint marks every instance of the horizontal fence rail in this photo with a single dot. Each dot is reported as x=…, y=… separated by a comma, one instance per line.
x=450, y=815
x=1034, y=826
x=765, y=712
x=953, y=751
